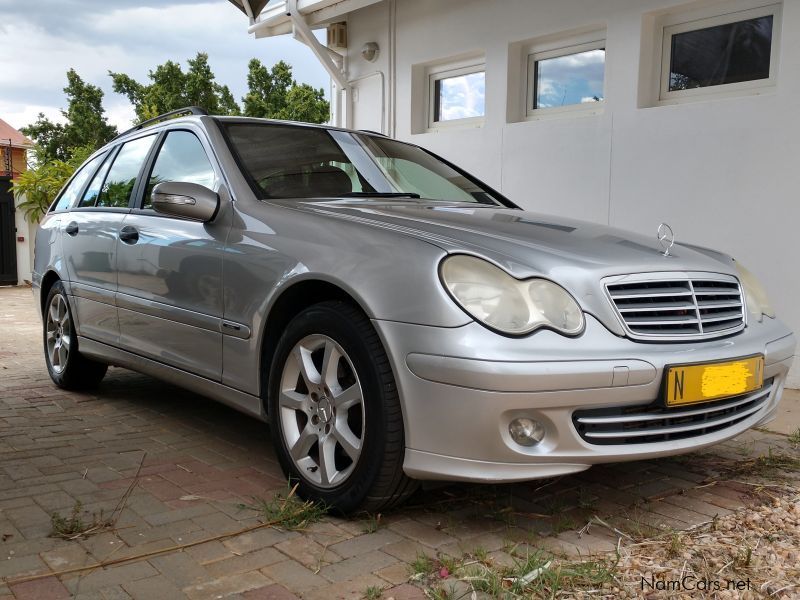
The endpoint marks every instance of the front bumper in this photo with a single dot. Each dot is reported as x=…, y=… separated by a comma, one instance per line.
x=461, y=387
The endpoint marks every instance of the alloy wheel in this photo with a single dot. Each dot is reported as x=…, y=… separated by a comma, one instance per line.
x=322, y=411
x=59, y=333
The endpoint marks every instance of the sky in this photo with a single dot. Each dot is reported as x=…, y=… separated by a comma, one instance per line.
x=571, y=79
x=42, y=39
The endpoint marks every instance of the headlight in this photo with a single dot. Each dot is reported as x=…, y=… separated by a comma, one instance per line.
x=755, y=295
x=506, y=304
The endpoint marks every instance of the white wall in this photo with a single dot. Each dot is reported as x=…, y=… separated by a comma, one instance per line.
x=724, y=173
x=24, y=248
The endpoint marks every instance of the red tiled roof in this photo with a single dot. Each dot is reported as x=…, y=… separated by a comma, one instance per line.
x=7, y=132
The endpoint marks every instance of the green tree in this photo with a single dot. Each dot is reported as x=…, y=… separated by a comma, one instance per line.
x=274, y=94
x=39, y=186
x=171, y=88
x=49, y=138
x=86, y=124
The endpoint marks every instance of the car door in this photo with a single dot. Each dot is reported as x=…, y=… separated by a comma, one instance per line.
x=170, y=269
x=89, y=239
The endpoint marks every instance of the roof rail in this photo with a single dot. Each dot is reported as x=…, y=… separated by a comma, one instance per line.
x=188, y=110
x=373, y=132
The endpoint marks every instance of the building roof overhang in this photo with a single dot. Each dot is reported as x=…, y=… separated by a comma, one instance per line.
x=11, y=137
x=272, y=17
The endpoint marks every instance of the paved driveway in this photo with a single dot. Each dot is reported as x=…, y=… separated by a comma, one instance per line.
x=198, y=462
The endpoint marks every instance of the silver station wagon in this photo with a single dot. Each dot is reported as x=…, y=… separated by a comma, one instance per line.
x=393, y=318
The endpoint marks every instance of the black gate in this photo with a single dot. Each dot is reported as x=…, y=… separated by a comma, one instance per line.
x=8, y=236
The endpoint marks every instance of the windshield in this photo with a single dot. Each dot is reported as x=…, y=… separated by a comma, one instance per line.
x=287, y=161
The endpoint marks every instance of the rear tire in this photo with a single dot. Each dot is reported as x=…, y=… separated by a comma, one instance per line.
x=335, y=415
x=68, y=368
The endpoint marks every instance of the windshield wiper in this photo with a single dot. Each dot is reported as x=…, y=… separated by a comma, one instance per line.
x=381, y=195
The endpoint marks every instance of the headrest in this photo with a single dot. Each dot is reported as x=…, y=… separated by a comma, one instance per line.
x=318, y=182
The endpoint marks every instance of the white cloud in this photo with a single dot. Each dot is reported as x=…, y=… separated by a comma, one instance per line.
x=132, y=38
x=120, y=114
x=198, y=22
x=463, y=96
x=19, y=115
x=47, y=57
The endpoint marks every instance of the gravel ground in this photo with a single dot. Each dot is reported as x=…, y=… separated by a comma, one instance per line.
x=757, y=546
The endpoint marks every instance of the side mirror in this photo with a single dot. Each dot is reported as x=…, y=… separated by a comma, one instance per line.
x=185, y=200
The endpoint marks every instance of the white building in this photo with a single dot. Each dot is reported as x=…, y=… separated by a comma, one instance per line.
x=626, y=112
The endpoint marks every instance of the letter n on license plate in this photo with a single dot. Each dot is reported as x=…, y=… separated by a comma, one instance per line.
x=689, y=384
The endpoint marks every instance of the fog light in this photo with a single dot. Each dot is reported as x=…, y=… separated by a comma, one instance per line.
x=526, y=432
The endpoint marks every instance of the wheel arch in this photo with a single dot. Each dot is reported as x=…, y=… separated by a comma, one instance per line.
x=289, y=303
x=48, y=280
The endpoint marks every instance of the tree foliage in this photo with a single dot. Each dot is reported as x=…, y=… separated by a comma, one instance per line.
x=171, y=88
x=274, y=94
x=49, y=138
x=62, y=148
x=40, y=185
x=86, y=124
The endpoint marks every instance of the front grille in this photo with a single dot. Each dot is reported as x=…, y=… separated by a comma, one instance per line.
x=653, y=423
x=679, y=308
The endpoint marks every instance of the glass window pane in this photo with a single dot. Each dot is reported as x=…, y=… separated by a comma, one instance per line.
x=571, y=79
x=293, y=162
x=723, y=54
x=118, y=186
x=73, y=189
x=181, y=158
x=460, y=97
x=289, y=162
x=410, y=169
x=93, y=191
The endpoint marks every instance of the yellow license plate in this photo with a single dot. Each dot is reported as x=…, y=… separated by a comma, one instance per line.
x=689, y=384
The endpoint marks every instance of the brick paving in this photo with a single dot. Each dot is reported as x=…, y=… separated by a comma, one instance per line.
x=200, y=461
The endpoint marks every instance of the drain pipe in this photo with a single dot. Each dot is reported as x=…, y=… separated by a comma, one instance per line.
x=332, y=61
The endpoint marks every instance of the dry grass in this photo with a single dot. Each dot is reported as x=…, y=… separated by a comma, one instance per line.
x=758, y=546
x=287, y=511
x=751, y=553
x=73, y=527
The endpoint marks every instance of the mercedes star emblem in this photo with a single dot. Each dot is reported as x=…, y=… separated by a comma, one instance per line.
x=666, y=238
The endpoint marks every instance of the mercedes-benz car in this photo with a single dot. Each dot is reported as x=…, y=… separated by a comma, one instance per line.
x=391, y=317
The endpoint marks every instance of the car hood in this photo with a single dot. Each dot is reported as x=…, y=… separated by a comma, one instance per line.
x=526, y=243
x=575, y=254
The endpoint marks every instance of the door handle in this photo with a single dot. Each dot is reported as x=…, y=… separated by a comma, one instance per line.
x=129, y=235
x=72, y=228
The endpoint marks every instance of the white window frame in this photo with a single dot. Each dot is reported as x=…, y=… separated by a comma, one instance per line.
x=446, y=71
x=684, y=23
x=564, y=46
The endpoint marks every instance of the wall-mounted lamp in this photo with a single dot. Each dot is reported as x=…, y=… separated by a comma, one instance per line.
x=370, y=51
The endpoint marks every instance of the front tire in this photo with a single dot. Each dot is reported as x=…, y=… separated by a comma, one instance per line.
x=68, y=368
x=336, y=421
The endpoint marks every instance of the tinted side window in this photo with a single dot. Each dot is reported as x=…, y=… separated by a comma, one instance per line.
x=70, y=193
x=121, y=179
x=93, y=190
x=181, y=158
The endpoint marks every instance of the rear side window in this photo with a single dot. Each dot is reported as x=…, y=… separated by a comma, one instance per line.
x=70, y=193
x=183, y=159
x=93, y=191
x=121, y=178
x=113, y=185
